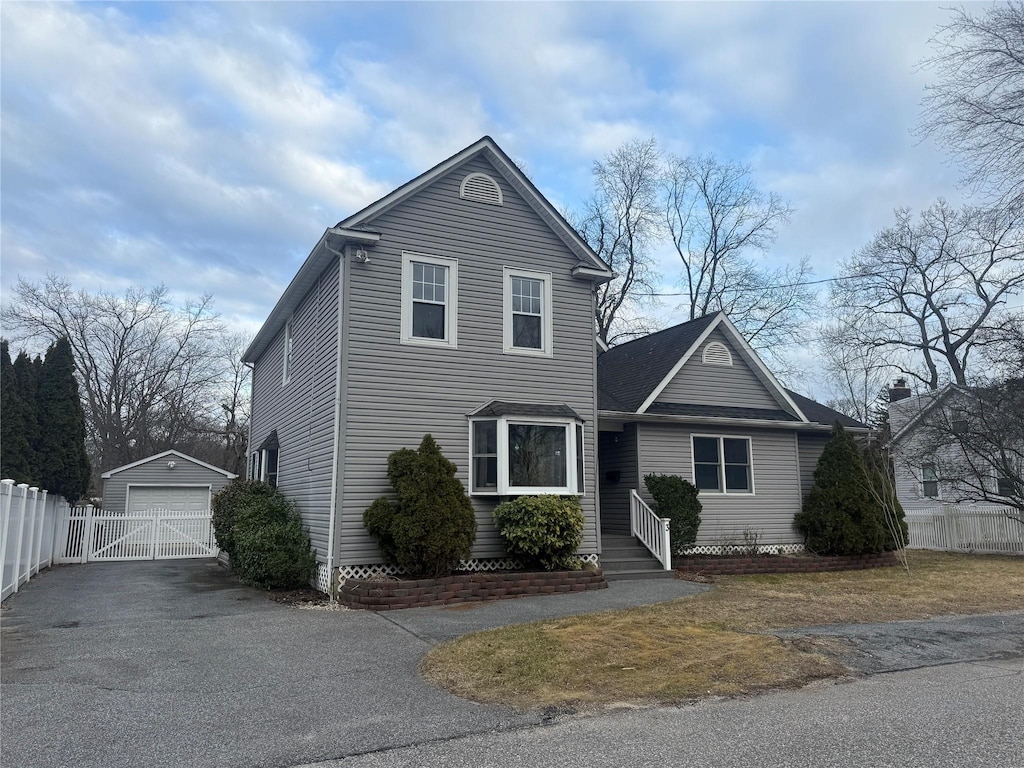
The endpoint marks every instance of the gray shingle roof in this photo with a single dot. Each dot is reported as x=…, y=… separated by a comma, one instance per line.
x=503, y=408
x=628, y=373
x=822, y=414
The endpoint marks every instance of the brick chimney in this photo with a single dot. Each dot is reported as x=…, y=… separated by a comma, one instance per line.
x=899, y=391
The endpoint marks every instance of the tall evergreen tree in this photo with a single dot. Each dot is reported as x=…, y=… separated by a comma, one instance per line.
x=26, y=373
x=63, y=464
x=15, y=450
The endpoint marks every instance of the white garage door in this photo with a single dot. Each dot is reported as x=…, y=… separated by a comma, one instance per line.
x=173, y=498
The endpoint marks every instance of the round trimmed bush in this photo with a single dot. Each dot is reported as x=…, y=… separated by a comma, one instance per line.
x=677, y=499
x=542, y=531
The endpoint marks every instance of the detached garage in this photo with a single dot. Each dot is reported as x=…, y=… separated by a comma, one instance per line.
x=169, y=481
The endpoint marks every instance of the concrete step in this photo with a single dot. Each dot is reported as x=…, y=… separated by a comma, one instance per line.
x=638, y=574
x=628, y=563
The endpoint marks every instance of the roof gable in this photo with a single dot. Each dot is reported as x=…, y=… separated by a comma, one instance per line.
x=164, y=455
x=636, y=373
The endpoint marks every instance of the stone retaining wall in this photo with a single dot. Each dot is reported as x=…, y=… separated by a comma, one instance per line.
x=734, y=566
x=464, y=588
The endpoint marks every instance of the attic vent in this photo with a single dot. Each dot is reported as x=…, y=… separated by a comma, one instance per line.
x=482, y=188
x=716, y=353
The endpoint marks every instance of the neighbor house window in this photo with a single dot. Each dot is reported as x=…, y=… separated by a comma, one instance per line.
x=722, y=464
x=527, y=324
x=429, y=300
x=929, y=482
x=289, y=347
x=1004, y=485
x=514, y=456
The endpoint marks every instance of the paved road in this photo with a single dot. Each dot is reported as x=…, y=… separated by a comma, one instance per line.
x=967, y=715
x=172, y=663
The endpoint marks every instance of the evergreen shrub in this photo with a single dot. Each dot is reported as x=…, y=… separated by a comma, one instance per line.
x=542, y=531
x=677, y=499
x=263, y=532
x=840, y=515
x=430, y=526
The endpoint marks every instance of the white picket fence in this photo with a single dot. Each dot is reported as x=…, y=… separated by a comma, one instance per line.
x=91, y=535
x=966, y=527
x=29, y=540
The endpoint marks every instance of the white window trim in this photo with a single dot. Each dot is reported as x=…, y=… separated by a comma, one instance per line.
x=288, y=358
x=922, y=481
x=504, y=489
x=547, y=321
x=721, y=465
x=451, y=304
x=263, y=465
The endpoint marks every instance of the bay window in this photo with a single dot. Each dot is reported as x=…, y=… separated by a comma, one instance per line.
x=513, y=456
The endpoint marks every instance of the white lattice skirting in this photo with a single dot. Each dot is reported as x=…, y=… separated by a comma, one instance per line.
x=739, y=549
x=480, y=564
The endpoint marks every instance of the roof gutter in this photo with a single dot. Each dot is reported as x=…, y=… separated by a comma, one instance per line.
x=802, y=426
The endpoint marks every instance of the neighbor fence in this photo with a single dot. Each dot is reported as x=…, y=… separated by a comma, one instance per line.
x=29, y=538
x=967, y=528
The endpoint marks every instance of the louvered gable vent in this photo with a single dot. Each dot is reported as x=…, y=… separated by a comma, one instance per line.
x=716, y=353
x=481, y=188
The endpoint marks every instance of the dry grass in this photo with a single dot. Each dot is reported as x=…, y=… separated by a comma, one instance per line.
x=710, y=644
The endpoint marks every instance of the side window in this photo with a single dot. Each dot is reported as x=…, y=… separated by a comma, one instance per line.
x=527, y=306
x=429, y=300
x=929, y=482
x=289, y=347
x=270, y=462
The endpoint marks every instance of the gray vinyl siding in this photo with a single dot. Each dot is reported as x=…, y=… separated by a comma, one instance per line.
x=302, y=411
x=666, y=449
x=397, y=392
x=700, y=384
x=155, y=472
x=811, y=446
x=617, y=453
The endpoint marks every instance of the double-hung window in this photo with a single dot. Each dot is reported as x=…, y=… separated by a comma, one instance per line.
x=929, y=482
x=1004, y=485
x=429, y=300
x=512, y=456
x=722, y=464
x=527, y=304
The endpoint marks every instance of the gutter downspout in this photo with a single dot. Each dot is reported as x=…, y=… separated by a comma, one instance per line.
x=333, y=587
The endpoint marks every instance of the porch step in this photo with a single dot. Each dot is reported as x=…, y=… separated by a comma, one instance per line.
x=624, y=557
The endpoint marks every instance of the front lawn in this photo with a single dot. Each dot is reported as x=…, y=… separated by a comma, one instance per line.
x=713, y=644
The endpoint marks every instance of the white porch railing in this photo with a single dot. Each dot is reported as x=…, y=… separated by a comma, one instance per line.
x=966, y=527
x=29, y=522
x=650, y=529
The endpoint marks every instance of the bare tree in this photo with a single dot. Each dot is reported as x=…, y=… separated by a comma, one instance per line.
x=619, y=221
x=147, y=369
x=974, y=438
x=719, y=221
x=976, y=107
x=857, y=374
x=928, y=293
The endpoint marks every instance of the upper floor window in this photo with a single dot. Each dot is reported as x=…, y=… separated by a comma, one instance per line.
x=1004, y=485
x=722, y=464
x=289, y=350
x=429, y=300
x=929, y=482
x=527, y=324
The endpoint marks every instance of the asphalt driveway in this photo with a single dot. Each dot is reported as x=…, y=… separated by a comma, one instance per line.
x=172, y=663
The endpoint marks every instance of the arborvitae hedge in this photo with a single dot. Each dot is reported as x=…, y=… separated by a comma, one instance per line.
x=16, y=454
x=431, y=525
x=839, y=515
x=63, y=463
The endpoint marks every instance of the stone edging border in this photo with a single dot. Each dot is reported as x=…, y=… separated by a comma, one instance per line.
x=737, y=566
x=464, y=588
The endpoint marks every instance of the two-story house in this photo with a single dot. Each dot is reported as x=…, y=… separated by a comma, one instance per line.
x=461, y=305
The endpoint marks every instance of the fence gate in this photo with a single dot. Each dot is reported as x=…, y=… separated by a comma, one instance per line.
x=94, y=535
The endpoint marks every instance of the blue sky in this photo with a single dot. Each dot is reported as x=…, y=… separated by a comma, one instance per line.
x=207, y=146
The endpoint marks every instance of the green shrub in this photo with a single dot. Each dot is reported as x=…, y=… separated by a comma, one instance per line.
x=676, y=499
x=431, y=525
x=840, y=515
x=263, y=532
x=542, y=531
x=274, y=554
x=232, y=500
